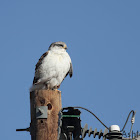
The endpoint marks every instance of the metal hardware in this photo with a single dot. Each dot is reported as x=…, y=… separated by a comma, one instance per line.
x=41, y=112
x=26, y=129
x=69, y=124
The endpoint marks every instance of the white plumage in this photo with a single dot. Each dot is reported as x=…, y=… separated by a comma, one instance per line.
x=52, y=67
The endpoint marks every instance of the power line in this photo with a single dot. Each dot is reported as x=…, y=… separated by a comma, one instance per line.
x=132, y=111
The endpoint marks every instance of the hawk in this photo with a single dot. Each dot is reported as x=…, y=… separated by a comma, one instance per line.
x=52, y=67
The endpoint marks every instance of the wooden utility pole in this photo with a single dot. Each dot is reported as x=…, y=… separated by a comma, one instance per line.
x=45, y=128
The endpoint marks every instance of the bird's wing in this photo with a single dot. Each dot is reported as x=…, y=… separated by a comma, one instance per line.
x=71, y=70
x=40, y=60
x=36, y=78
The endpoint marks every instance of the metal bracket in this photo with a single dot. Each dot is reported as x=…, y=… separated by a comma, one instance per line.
x=26, y=129
x=41, y=112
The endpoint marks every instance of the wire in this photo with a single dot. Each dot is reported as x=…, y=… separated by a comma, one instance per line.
x=132, y=111
x=93, y=115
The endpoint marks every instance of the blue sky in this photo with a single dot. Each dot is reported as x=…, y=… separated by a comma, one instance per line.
x=103, y=39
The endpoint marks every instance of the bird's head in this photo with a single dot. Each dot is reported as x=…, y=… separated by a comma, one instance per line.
x=58, y=45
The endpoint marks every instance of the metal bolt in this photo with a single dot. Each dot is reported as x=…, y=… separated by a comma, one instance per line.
x=40, y=111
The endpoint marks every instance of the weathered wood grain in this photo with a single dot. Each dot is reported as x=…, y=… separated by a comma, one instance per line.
x=45, y=129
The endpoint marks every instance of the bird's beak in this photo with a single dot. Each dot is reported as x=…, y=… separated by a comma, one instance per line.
x=65, y=47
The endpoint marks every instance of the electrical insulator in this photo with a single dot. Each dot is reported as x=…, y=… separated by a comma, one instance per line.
x=100, y=134
x=114, y=133
x=95, y=132
x=85, y=130
x=90, y=132
x=105, y=133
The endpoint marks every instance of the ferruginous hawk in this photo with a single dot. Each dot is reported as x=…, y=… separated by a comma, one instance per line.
x=53, y=66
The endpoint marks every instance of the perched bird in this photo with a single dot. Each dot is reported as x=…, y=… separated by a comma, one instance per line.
x=52, y=67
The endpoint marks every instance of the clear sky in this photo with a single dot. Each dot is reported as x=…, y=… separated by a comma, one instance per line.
x=103, y=39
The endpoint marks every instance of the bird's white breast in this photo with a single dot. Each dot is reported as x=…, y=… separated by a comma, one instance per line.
x=55, y=67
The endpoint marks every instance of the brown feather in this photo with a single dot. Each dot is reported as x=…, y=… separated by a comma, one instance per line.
x=40, y=60
x=38, y=65
x=70, y=72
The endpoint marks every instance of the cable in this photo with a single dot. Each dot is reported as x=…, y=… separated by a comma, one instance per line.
x=93, y=115
x=132, y=122
x=132, y=111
